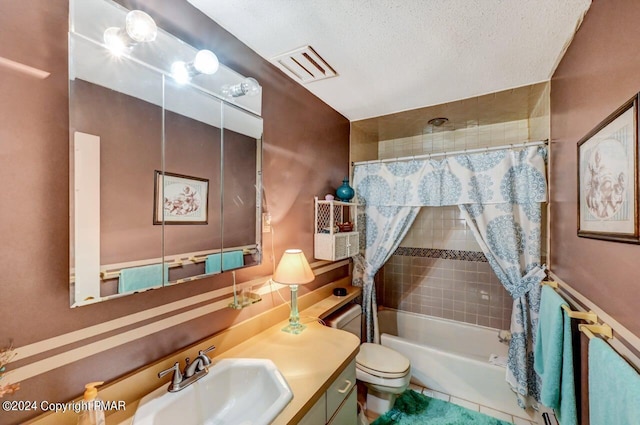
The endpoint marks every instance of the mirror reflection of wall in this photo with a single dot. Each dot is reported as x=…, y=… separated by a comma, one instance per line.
x=165, y=175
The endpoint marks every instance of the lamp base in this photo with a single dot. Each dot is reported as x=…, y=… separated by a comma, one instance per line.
x=294, y=329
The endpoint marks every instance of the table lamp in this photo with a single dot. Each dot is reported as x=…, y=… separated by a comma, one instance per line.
x=293, y=270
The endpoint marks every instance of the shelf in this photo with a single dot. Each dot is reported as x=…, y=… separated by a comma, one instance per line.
x=336, y=202
x=330, y=243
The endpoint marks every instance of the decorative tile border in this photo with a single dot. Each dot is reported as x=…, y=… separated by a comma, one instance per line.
x=449, y=254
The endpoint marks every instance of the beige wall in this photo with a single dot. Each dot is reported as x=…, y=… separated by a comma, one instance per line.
x=305, y=154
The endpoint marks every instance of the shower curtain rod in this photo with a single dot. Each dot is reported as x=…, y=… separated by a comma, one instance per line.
x=462, y=151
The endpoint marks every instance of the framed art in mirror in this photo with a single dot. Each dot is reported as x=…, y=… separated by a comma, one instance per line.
x=608, y=178
x=180, y=199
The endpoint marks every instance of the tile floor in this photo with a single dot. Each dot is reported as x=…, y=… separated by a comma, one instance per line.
x=464, y=403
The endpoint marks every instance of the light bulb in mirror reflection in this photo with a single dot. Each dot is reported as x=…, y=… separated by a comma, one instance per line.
x=248, y=87
x=114, y=41
x=180, y=72
x=140, y=26
x=206, y=62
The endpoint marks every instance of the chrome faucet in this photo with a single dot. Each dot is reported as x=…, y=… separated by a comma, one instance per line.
x=192, y=371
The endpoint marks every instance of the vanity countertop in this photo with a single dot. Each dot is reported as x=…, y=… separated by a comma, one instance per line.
x=309, y=361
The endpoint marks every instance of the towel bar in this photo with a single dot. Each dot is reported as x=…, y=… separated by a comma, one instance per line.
x=203, y=258
x=115, y=274
x=198, y=259
x=550, y=283
x=590, y=330
x=588, y=316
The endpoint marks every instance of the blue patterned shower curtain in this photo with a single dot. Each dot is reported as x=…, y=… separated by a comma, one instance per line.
x=384, y=229
x=499, y=193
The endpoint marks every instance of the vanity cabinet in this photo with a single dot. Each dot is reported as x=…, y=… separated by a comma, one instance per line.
x=339, y=404
x=331, y=242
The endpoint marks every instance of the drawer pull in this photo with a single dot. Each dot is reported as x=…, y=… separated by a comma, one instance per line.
x=346, y=388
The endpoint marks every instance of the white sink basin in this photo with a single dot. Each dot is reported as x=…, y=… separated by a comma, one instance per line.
x=234, y=392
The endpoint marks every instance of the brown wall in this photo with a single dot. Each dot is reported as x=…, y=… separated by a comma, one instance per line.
x=305, y=154
x=597, y=75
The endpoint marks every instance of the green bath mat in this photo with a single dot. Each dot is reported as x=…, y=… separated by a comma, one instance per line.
x=412, y=408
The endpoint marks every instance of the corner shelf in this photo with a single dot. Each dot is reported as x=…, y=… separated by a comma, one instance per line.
x=330, y=243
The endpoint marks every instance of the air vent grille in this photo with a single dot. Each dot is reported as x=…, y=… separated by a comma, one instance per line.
x=304, y=65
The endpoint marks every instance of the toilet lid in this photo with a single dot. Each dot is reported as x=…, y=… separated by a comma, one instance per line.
x=381, y=361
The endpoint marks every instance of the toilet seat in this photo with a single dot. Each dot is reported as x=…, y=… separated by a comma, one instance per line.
x=382, y=362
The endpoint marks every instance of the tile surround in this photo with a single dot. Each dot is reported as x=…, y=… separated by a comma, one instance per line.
x=425, y=281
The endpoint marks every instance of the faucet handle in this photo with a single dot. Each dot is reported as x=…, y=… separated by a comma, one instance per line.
x=202, y=354
x=177, y=376
x=213, y=347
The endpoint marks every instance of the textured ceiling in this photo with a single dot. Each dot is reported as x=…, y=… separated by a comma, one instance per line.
x=397, y=55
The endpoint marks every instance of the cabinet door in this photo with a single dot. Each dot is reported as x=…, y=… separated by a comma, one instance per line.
x=341, y=388
x=353, y=244
x=348, y=412
x=317, y=414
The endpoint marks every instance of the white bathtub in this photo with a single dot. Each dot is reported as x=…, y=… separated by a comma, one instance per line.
x=451, y=357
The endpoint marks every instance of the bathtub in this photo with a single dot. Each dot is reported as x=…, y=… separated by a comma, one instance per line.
x=451, y=357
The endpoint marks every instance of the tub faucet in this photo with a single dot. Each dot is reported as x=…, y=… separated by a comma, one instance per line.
x=504, y=336
x=192, y=371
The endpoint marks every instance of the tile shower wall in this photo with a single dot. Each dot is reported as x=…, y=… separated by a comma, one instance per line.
x=443, y=140
x=452, y=284
x=439, y=268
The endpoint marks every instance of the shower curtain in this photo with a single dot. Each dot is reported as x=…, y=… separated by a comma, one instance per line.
x=499, y=194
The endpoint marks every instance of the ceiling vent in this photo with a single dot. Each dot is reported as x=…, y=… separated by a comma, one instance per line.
x=304, y=65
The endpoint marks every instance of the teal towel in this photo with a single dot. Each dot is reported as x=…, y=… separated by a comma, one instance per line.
x=553, y=357
x=143, y=277
x=232, y=260
x=614, y=387
x=213, y=264
x=568, y=412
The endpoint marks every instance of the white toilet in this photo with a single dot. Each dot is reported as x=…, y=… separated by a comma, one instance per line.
x=385, y=372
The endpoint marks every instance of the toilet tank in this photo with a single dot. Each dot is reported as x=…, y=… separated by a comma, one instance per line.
x=348, y=318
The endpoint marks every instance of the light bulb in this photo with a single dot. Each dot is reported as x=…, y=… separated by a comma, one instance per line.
x=140, y=26
x=250, y=86
x=180, y=72
x=114, y=41
x=206, y=62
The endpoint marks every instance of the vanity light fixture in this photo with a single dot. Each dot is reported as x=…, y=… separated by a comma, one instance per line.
x=205, y=62
x=139, y=28
x=293, y=270
x=249, y=87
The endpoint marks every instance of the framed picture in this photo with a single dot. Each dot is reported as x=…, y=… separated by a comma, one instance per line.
x=182, y=200
x=608, y=178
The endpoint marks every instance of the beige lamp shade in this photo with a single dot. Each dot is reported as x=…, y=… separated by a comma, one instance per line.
x=293, y=269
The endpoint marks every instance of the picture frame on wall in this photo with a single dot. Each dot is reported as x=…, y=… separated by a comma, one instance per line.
x=182, y=200
x=608, y=177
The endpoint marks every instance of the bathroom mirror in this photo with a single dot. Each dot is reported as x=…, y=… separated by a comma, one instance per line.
x=164, y=175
